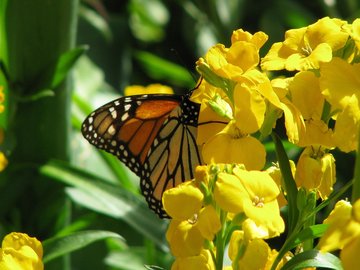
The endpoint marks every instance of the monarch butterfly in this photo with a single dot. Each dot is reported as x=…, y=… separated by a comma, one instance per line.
x=154, y=135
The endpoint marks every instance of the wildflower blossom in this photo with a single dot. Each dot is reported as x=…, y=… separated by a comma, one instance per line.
x=305, y=48
x=19, y=251
x=343, y=233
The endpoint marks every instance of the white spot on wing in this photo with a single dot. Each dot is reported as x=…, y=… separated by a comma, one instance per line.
x=114, y=114
x=124, y=116
x=127, y=107
x=111, y=130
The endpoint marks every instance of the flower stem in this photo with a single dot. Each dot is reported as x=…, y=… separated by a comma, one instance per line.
x=220, y=242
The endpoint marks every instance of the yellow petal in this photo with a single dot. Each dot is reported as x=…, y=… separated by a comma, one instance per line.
x=183, y=201
x=258, y=184
x=294, y=122
x=225, y=148
x=316, y=132
x=250, y=109
x=339, y=81
x=236, y=240
x=229, y=193
x=350, y=254
x=347, y=125
x=342, y=229
x=275, y=59
x=256, y=255
x=263, y=222
x=184, y=239
x=309, y=170
x=306, y=95
x=243, y=54
x=203, y=261
x=328, y=176
x=208, y=222
x=258, y=39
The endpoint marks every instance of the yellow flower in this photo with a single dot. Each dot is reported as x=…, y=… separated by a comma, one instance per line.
x=243, y=55
x=230, y=146
x=203, y=261
x=343, y=233
x=191, y=223
x=19, y=251
x=340, y=85
x=257, y=254
x=344, y=226
x=258, y=39
x=155, y=88
x=254, y=193
x=261, y=205
x=316, y=171
x=302, y=103
x=305, y=48
x=354, y=32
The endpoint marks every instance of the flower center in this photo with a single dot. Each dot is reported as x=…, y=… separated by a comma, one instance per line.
x=258, y=202
x=193, y=220
x=306, y=49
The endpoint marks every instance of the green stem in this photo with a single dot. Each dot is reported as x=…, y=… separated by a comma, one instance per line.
x=311, y=204
x=220, y=242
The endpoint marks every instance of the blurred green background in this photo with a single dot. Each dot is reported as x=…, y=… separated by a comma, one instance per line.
x=62, y=59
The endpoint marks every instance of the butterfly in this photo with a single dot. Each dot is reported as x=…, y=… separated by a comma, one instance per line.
x=154, y=135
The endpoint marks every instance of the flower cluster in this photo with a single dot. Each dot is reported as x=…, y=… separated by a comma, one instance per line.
x=235, y=199
x=229, y=202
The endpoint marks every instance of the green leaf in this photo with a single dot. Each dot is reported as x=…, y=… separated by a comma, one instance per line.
x=65, y=62
x=59, y=246
x=288, y=181
x=161, y=69
x=313, y=258
x=99, y=195
x=308, y=233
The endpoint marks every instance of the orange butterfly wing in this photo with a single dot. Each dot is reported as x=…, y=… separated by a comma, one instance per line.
x=154, y=135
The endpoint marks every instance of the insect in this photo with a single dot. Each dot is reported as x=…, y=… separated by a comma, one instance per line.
x=154, y=135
